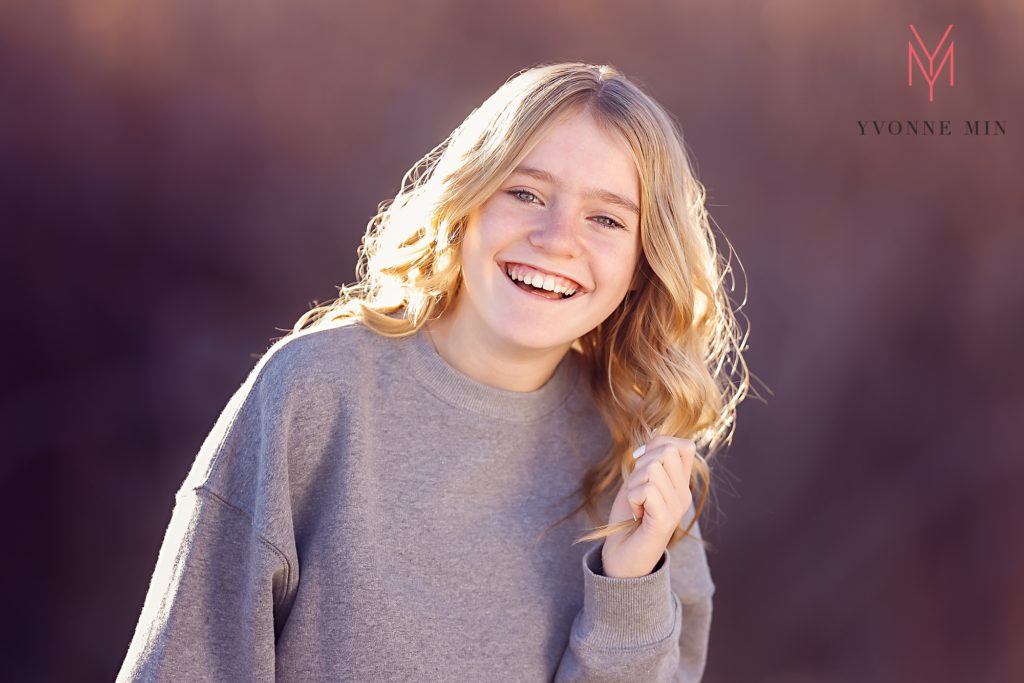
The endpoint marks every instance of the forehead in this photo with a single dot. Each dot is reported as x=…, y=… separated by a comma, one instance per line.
x=584, y=156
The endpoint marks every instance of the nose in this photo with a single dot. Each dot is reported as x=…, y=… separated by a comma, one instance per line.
x=556, y=233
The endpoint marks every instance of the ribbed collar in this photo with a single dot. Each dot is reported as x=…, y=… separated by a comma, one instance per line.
x=452, y=386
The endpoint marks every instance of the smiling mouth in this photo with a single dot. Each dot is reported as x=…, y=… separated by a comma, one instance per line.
x=547, y=294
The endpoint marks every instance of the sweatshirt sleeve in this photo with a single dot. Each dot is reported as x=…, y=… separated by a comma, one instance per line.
x=635, y=629
x=209, y=611
x=226, y=569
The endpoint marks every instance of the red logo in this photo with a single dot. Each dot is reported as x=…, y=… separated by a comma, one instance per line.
x=932, y=74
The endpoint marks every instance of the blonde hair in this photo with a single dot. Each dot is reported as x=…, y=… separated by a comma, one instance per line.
x=662, y=362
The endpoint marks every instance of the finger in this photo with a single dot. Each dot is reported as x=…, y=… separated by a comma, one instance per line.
x=673, y=456
x=655, y=442
x=678, y=474
x=676, y=500
x=648, y=446
x=637, y=508
x=648, y=498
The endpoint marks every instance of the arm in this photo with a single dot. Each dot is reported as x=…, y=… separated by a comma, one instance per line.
x=628, y=628
x=693, y=641
x=651, y=626
x=635, y=629
x=227, y=571
x=209, y=611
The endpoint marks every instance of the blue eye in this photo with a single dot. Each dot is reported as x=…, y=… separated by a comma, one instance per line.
x=612, y=223
x=515, y=194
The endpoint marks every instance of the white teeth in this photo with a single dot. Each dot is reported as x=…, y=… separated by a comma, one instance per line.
x=534, y=279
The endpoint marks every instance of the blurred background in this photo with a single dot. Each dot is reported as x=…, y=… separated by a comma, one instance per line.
x=180, y=180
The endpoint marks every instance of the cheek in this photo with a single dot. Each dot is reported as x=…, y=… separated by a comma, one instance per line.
x=617, y=271
x=479, y=249
x=500, y=220
x=494, y=232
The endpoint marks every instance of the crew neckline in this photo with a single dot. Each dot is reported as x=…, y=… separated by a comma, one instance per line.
x=455, y=388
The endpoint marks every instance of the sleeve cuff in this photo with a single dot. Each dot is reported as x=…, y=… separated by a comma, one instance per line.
x=626, y=612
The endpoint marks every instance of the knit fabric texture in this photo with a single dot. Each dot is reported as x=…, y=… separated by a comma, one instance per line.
x=362, y=511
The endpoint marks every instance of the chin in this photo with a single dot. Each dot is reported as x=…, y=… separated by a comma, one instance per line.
x=536, y=339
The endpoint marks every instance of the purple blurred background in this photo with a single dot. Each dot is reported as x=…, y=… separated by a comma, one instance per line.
x=180, y=180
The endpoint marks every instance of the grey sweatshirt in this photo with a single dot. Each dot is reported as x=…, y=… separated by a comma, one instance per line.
x=362, y=511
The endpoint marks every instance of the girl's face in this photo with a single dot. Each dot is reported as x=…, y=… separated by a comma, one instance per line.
x=570, y=209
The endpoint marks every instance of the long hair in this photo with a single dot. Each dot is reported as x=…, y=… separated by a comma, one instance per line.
x=663, y=363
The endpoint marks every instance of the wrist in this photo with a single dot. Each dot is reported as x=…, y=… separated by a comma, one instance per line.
x=633, y=570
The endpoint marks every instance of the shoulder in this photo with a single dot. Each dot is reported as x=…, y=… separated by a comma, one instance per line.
x=315, y=349
x=321, y=357
x=296, y=388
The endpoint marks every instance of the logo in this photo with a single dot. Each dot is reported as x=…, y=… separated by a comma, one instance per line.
x=932, y=74
x=930, y=64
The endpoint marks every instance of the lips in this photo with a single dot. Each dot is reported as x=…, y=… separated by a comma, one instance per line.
x=531, y=292
x=579, y=287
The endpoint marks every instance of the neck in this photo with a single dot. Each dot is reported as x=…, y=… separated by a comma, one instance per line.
x=493, y=362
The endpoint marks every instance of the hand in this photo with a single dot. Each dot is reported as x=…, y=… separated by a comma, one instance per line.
x=657, y=492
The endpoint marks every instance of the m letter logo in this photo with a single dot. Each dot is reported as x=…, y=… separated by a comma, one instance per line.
x=932, y=74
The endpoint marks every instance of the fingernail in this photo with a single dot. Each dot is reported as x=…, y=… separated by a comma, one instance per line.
x=639, y=451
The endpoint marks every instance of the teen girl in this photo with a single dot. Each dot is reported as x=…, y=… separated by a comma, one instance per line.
x=392, y=494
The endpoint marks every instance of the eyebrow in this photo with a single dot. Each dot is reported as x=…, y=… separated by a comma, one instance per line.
x=603, y=195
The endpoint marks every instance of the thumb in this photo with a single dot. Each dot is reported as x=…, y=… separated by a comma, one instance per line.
x=636, y=506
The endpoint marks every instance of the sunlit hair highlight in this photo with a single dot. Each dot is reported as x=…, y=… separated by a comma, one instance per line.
x=667, y=361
